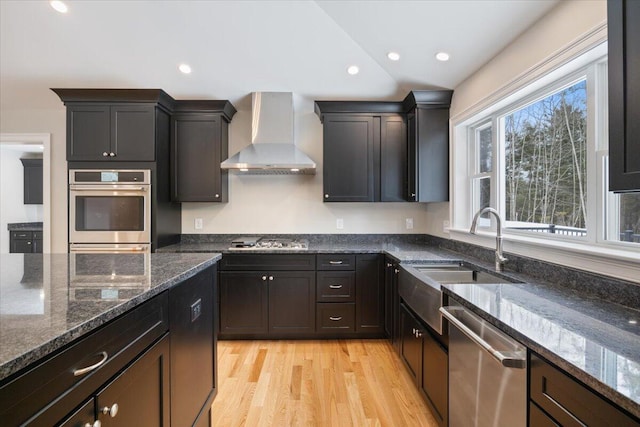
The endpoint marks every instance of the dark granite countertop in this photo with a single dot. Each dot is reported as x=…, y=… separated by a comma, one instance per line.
x=588, y=325
x=47, y=301
x=25, y=226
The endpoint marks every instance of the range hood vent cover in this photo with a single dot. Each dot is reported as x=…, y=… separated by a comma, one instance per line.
x=272, y=151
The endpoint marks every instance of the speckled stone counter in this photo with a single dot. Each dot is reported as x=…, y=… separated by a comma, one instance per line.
x=25, y=226
x=577, y=320
x=74, y=294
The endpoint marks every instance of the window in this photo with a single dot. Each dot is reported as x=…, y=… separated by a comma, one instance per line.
x=539, y=156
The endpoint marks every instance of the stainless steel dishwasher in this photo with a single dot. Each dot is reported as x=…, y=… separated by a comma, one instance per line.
x=487, y=373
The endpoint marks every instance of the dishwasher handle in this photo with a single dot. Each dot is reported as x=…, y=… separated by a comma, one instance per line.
x=506, y=358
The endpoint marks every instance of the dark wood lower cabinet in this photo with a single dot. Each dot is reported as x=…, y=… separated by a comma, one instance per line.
x=244, y=304
x=427, y=362
x=141, y=392
x=567, y=402
x=84, y=416
x=370, y=294
x=292, y=300
x=193, y=348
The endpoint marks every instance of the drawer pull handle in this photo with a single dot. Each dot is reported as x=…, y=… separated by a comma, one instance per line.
x=335, y=318
x=335, y=286
x=83, y=371
x=113, y=411
x=335, y=262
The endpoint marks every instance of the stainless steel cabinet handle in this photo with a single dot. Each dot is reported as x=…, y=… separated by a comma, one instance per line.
x=335, y=262
x=335, y=286
x=397, y=271
x=105, y=154
x=28, y=243
x=413, y=194
x=335, y=318
x=112, y=154
x=83, y=371
x=326, y=196
x=264, y=278
x=96, y=423
x=508, y=360
x=112, y=411
x=217, y=195
x=418, y=334
x=389, y=264
x=270, y=277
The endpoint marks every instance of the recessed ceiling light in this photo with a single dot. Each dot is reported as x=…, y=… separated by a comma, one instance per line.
x=442, y=56
x=185, y=68
x=353, y=70
x=59, y=6
x=394, y=56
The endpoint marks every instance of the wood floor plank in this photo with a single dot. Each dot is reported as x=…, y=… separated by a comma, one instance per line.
x=315, y=383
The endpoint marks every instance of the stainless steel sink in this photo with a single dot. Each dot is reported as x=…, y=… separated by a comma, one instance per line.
x=459, y=275
x=419, y=286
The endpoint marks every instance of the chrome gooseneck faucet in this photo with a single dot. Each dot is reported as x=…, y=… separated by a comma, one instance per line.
x=500, y=259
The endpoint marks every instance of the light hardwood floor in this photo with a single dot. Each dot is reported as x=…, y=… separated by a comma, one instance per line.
x=315, y=383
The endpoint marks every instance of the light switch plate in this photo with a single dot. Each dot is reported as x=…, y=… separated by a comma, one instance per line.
x=340, y=223
x=408, y=223
x=197, y=224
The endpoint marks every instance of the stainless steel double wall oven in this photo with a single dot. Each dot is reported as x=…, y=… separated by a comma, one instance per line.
x=109, y=210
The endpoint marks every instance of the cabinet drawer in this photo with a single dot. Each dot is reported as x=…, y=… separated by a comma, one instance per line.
x=48, y=392
x=336, y=262
x=336, y=286
x=336, y=317
x=268, y=262
x=23, y=235
x=569, y=402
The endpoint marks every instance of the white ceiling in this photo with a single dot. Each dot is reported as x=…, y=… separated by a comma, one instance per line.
x=237, y=47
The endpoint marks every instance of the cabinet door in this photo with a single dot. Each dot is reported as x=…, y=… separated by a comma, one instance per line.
x=32, y=181
x=429, y=154
x=88, y=132
x=369, y=294
x=393, y=159
x=292, y=302
x=191, y=307
x=391, y=320
x=435, y=376
x=624, y=94
x=243, y=303
x=141, y=392
x=83, y=417
x=196, y=156
x=350, y=143
x=133, y=132
x=21, y=246
x=412, y=157
x=411, y=344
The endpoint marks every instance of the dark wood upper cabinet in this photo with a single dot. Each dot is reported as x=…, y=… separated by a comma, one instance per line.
x=199, y=143
x=113, y=124
x=349, y=146
x=428, y=145
x=624, y=95
x=32, y=181
x=387, y=151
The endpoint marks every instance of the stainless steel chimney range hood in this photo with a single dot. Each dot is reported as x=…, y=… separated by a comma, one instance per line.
x=272, y=151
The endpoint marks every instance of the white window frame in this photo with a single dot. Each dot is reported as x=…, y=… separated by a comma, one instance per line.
x=592, y=253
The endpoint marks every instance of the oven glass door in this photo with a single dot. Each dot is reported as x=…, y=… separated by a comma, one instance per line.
x=113, y=215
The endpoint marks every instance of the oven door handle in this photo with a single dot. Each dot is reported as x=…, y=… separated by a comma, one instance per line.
x=89, y=249
x=506, y=359
x=76, y=187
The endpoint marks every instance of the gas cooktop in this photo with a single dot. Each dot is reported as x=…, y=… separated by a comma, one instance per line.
x=249, y=243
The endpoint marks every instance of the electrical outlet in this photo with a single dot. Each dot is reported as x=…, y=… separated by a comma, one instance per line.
x=408, y=223
x=445, y=226
x=339, y=223
x=197, y=224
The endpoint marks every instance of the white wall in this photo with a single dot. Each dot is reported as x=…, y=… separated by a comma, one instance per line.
x=567, y=22
x=293, y=203
x=12, y=207
x=54, y=123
